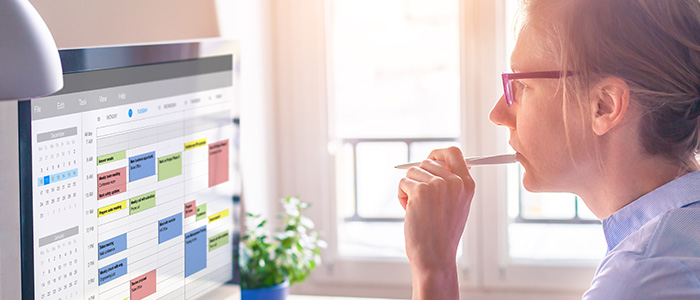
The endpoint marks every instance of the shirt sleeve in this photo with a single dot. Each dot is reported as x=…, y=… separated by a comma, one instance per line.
x=632, y=277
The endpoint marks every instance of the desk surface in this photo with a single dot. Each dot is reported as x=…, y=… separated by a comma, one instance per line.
x=304, y=297
x=232, y=292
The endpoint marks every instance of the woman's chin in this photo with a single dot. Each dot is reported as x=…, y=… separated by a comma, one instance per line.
x=528, y=186
x=536, y=184
x=532, y=184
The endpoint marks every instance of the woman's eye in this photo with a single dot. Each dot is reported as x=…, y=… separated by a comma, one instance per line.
x=518, y=88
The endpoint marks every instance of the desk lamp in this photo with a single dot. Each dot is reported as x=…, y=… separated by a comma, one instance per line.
x=29, y=62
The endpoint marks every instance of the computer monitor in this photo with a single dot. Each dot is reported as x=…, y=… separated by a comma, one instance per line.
x=128, y=174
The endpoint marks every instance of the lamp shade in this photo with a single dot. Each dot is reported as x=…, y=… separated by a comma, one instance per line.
x=29, y=61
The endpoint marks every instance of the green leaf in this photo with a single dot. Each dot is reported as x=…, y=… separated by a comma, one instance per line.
x=270, y=259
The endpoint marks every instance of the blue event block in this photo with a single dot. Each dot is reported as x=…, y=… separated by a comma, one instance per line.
x=195, y=250
x=111, y=246
x=142, y=166
x=169, y=228
x=112, y=271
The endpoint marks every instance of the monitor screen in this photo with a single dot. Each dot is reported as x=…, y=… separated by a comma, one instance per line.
x=129, y=175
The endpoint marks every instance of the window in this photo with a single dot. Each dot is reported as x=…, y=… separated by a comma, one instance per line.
x=357, y=92
x=551, y=226
x=395, y=96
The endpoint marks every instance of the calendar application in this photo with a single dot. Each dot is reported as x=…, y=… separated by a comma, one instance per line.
x=132, y=189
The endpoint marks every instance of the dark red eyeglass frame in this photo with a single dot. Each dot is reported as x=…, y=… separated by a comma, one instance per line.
x=508, y=77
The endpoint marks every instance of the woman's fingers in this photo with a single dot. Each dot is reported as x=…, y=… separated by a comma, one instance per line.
x=436, y=196
x=453, y=159
x=405, y=187
x=445, y=167
x=416, y=175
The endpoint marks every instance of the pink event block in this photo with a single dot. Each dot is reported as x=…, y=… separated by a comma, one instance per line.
x=218, y=162
x=111, y=183
x=143, y=286
x=190, y=208
x=111, y=192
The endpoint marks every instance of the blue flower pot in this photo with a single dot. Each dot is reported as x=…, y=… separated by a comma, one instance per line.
x=277, y=292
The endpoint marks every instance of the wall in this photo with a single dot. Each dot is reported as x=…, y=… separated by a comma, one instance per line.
x=80, y=23
x=251, y=22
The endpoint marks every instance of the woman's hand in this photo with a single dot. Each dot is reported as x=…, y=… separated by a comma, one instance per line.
x=436, y=196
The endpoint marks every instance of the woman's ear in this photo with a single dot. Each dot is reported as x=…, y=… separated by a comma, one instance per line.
x=609, y=103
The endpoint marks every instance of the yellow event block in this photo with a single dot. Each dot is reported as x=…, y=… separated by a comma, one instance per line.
x=220, y=215
x=195, y=144
x=111, y=208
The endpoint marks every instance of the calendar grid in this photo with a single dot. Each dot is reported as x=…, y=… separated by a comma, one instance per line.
x=136, y=192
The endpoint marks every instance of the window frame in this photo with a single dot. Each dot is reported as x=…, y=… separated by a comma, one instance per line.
x=303, y=142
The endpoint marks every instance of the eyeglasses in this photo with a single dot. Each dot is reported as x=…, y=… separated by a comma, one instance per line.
x=511, y=93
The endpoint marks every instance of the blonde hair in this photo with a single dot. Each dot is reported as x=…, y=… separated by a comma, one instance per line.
x=654, y=45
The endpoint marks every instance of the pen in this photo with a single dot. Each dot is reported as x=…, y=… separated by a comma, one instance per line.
x=476, y=161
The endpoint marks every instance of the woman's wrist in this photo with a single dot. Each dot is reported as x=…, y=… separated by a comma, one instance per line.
x=435, y=283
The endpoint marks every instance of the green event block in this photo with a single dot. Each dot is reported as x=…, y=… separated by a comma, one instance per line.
x=218, y=240
x=111, y=157
x=169, y=166
x=142, y=202
x=201, y=211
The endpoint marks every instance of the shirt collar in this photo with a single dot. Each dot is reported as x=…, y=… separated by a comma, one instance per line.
x=680, y=192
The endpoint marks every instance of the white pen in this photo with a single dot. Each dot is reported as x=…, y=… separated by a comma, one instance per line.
x=476, y=161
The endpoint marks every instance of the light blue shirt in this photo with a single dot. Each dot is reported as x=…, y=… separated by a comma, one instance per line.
x=653, y=246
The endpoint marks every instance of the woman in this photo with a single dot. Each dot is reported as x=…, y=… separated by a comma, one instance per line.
x=604, y=104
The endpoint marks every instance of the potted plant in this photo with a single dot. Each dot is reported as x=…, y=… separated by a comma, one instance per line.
x=269, y=264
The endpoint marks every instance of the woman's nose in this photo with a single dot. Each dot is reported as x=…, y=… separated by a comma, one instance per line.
x=501, y=114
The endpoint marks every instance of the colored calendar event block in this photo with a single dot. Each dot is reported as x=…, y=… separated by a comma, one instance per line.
x=111, y=183
x=143, y=286
x=201, y=211
x=142, y=166
x=103, y=211
x=169, y=166
x=220, y=215
x=218, y=163
x=218, y=240
x=169, y=228
x=108, y=192
x=112, y=157
x=190, y=208
x=195, y=144
x=142, y=202
x=111, y=272
x=111, y=246
x=195, y=250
